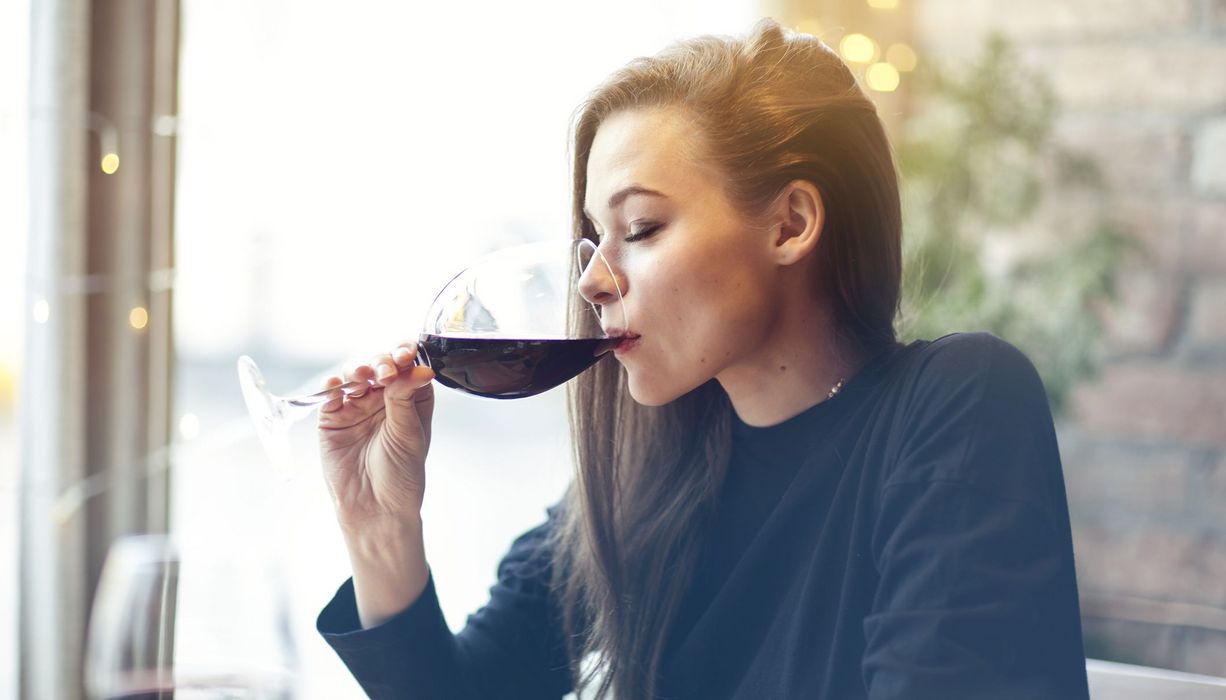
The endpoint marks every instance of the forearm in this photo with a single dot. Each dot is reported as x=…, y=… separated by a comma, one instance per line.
x=511, y=647
x=389, y=569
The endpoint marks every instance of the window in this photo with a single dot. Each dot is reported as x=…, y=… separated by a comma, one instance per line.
x=14, y=66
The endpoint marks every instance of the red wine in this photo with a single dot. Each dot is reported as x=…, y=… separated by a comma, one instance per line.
x=508, y=368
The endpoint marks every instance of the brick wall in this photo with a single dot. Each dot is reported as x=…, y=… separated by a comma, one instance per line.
x=1142, y=85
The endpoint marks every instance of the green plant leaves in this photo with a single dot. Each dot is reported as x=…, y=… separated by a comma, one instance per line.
x=983, y=181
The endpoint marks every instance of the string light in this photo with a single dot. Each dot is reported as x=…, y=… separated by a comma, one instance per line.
x=138, y=317
x=858, y=48
x=882, y=77
x=154, y=282
x=108, y=142
x=902, y=57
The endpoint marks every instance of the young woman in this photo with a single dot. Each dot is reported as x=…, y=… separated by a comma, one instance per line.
x=773, y=498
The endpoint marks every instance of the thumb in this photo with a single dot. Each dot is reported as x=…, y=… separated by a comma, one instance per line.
x=409, y=401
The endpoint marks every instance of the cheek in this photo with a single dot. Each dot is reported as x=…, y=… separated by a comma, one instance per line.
x=698, y=294
x=722, y=302
x=699, y=328
x=702, y=307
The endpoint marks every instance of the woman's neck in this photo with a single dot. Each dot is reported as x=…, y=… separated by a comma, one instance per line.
x=792, y=369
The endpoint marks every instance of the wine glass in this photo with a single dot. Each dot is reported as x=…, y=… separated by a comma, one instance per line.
x=510, y=325
x=206, y=625
x=131, y=627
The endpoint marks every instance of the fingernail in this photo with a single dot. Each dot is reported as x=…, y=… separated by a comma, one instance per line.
x=386, y=370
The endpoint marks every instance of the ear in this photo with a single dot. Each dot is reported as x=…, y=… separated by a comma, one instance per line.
x=801, y=216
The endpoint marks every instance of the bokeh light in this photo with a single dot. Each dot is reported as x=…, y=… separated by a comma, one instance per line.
x=902, y=57
x=883, y=4
x=882, y=77
x=110, y=163
x=189, y=426
x=42, y=311
x=858, y=48
x=138, y=317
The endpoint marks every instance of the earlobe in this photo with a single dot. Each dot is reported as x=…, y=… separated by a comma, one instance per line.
x=802, y=216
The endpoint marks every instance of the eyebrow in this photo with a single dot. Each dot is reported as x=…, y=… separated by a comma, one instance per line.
x=621, y=195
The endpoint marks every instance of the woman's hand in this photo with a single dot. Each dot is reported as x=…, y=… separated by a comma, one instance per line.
x=373, y=445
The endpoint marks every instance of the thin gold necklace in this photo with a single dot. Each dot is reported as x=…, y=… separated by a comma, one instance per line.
x=835, y=389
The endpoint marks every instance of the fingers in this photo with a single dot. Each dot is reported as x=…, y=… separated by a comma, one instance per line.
x=336, y=403
x=386, y=367
x=399, y=363
x=409, y=376
x=345, y=410
x=385, y=370
x=361, y=374
x=403, y=356
x=395, y=384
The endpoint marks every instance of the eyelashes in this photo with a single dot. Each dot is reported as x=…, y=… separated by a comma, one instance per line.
x=641, y=233
x=635, y=234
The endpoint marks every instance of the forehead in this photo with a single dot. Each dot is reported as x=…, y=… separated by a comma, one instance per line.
x=653, y=148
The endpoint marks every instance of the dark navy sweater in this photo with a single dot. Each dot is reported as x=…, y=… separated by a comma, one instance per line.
x=908, y=538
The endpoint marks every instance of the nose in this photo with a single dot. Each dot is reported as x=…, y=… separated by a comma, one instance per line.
x=599, y=284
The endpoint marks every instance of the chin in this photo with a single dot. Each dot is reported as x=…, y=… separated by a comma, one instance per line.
x=654, y=393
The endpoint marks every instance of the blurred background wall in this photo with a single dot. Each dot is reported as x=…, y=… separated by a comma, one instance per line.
x=1140, y=90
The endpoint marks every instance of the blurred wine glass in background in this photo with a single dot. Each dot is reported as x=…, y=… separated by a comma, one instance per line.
x=173, y=621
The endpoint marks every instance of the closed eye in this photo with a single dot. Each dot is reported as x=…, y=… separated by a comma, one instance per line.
x=639, y=234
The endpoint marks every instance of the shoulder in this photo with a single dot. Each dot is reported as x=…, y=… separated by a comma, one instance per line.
x=970, y=408
x=970, y=368
x=979, y=350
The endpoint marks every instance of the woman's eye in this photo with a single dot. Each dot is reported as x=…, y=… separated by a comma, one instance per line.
x=638, y=234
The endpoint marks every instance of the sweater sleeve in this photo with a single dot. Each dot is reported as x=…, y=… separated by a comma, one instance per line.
x=977, y=594
x=510, y=648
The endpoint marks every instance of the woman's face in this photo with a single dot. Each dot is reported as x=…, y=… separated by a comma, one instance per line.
x=698, y=280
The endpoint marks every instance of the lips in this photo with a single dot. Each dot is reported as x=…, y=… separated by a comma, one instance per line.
x=616, y=332
x=629, y=339
x=627, y=343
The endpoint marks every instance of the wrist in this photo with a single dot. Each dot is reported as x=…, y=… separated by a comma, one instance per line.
x=389, y=568
x=376, y=541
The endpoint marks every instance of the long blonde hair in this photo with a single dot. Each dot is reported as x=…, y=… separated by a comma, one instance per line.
x=771, y=108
